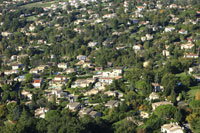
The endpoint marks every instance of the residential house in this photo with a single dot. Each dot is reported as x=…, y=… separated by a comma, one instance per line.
x=191, y=55
x=34, y=71
x=8, y=72
x=37, y=83
x=59, y=93
x=26, y=94
x=155, y=105
x=60, y=78
x=144, y=114
x=114, y=93
x=40, y=112
x=98, y=68
x=137, y=47
x=20, y=78
x=169, y=29
x=95, y=114
x=63, y=65
x=112, y=103
x=70, y=70
x=153, y=96
x=92, y=44
x=81, y=57
x=157, y=87
x=74, y=106
x=166, y=53
x=91, y=92
x=184, y=32
x=84, y=111
x=187, y=46
x=16, y=66
x=171, y=128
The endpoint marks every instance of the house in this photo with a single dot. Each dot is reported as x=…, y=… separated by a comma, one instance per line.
x=92, y=44
x=61, y=79
x=63, y=65
x=41, y=68
x=155, y=105
x=112, y=103
x=140, y=8
x=166, y=53
x=74, y=106
x=59, y=93
x=31, y=27
x=84, y=111
x=70, y=70
x=191, y=55
x=144, y=114
x=5, y=34
x=98, y=68
x=82, y=83
x=87, y=65
x=149, y=37
x=197, y=78
x=37, y=83
x=169, y=29
x=187, y=46
x=184, y=32
x=81, y=57
x=16, y=66
x=137, y=47
x=171, y=128
x=95, y=114
x=26, y=94
x=114, y=93
x=20, y=78
x=157, y=87
x=40, y=112
x=153, y=96
x=107, y=80
x=91, y=92
x=34, y=71
x=8, y=72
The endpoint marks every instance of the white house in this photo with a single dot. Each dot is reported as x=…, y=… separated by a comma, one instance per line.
x=153, y=96
x=40, y=112
x=155, y=105
x=73, y=106
x=171, y=128
x=37, y=83
x=63, y=65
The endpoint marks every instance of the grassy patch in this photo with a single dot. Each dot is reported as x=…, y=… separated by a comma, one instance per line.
x=32, y=18
x=193, y=91
x=40, y=4
x=181, y=74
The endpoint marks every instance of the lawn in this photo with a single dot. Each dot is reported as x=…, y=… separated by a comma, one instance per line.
x=32, y=18
x=40, y=4
x=193, y=91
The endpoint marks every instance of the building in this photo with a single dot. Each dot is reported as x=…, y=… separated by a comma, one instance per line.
x=16, y=66
x=112, y=103
x=63, y=65
x=171, y=128
x=155, y=105
x=187, y=46
x=40, y=112
x=27, y=95
x=74, y=106
x=37, y=83
x=153, y=96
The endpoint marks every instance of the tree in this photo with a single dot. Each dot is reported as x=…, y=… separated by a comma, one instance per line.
x=165, y=111
x=28, y=78
x=169, y=82
x=178, y=115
